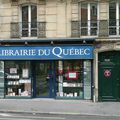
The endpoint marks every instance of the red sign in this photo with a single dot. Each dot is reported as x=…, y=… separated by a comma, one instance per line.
x=107, y=73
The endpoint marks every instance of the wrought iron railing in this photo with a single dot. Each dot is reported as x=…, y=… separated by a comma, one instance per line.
x=86, y=28
x=114, y=27
x=25, y=29
x=101, y=28
x=89, y=28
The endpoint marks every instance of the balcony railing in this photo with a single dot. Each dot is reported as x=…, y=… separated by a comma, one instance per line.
x=101, y=28
x=85, y=28
x=25, y=29
x=89, y=28
x=114, y=27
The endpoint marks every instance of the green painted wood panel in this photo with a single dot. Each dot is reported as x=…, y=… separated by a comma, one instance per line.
x=108, y=76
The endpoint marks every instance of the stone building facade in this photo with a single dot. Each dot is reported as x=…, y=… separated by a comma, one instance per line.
x=87, y=29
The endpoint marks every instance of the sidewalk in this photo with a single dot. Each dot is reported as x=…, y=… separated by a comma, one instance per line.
x=52, y=106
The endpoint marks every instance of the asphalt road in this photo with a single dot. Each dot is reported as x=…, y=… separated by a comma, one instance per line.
x=23, y=116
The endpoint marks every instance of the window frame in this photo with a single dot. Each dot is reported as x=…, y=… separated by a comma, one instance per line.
x=117, y=20
x=29, y=20
x=89, y=26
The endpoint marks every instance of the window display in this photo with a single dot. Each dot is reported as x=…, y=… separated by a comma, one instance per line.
x=17, y=78
x=75, y=80
x=70, y=83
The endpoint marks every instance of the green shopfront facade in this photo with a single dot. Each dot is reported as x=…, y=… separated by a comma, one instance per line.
x=46, y=71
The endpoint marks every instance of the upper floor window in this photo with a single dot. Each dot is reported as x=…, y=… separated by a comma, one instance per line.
x=28, y=26
x=114, y=18
x=29, y=21
x=89, y=16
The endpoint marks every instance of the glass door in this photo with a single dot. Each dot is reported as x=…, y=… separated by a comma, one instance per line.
x=44, y=79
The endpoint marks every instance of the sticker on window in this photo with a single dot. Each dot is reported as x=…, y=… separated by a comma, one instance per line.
x=107, y=73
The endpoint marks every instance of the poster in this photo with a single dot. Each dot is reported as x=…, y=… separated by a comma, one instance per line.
x=25, y=73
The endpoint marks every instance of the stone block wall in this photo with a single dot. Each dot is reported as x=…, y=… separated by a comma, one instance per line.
x=57, y=14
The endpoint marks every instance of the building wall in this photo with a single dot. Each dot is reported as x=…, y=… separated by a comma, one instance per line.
x=104, y=42
x=56, y=14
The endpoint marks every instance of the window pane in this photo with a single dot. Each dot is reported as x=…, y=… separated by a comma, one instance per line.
x=18, y=79
x=93, y=19
x=84, y=14
x=33, y=21
x=33, y=14
x=112, y=18
x=29, y=21
x=93, y=11
x=25, y=14
x=25, y=33
x=112, y=11
x=25, y=21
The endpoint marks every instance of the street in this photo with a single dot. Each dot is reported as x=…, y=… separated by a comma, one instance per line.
x=26, y=116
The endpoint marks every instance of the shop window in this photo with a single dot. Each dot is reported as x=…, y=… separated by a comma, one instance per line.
x=74, y=79
x=70, y=79
x=17, y=79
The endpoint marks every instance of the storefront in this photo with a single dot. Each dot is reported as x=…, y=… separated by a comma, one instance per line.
x=46, y=71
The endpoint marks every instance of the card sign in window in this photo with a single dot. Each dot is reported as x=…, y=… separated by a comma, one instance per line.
x=13, y=70
x=25, y=73
x=72, y=75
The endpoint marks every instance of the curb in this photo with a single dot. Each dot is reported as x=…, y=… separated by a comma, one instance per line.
x=57, y=113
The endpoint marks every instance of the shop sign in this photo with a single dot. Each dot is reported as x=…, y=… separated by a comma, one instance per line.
x=46, y=52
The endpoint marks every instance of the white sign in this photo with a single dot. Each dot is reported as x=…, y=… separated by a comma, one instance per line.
x=25, y=73
x=72, y=75
x=13, y=70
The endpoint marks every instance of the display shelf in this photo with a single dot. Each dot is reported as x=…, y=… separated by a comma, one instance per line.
x=15, y=87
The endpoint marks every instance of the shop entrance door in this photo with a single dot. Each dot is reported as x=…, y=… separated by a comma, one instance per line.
x=109, y=76
x=44, y=79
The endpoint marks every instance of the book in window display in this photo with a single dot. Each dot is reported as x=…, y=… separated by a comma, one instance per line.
x=25, y=73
